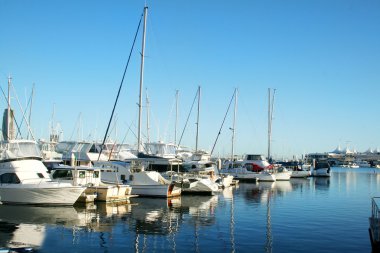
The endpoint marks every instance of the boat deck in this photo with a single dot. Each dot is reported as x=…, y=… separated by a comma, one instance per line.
x=374, y=225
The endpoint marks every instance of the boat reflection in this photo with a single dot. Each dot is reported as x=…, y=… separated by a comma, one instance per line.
x=154, y=216
x=146, y=219
x=25, y=226
x=321, y=183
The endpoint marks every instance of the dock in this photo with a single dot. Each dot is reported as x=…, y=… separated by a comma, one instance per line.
x=374, y=225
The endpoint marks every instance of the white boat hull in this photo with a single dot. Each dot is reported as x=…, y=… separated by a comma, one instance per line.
x=227, y=180
x=201, y=186
x=39, y=194
x=110, y=192
x=283, y=176
x=163, y=191
x=322, y=172
x=300, y=174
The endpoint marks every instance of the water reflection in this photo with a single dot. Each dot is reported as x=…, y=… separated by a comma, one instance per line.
x=190, y=223
x=25, y=226
x=321, y=183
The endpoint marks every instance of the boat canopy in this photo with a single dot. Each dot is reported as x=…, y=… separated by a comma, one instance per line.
x=19, y=149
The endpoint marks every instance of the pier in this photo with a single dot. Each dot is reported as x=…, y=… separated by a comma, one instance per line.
x=374, y=225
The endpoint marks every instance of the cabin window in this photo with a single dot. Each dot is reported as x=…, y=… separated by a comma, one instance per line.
x=122, y=178
x=9, y=178
x=249, y=167
x=40, y=175
x=93, y=149
x=62, y=174
x=82, y=174
x=96, y=174
x=130, y=177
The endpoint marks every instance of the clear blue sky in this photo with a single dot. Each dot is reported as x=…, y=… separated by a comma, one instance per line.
x=322, y=56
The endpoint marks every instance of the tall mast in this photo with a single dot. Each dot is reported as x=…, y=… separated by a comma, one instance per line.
x=270, y=119
x=233, y=128
x=147, y=116
x=9, y=109
x=176, y=117
x=269, y=124
x=199, y=103
x=141, y=80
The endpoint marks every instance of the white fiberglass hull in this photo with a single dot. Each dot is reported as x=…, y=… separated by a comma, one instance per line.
x=227, y=180
x=322, y=172
x=39, y=194
x=201, y=186
x=283, y=176
x=300, y=174
x=159, y=190
x=244, y=174
x=110, y=192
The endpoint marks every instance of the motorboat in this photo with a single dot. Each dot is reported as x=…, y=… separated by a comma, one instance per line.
x=131, y=171
x=25, y=180
x=90, y=177
x=143, y=182
x=199, y=178
x=243, y=170
x=205, y=168
x=282, y=173
x=297, y=170
x=160, y=156
x=320, y=169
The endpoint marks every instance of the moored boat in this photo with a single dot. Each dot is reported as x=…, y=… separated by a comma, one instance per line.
x=24, y=178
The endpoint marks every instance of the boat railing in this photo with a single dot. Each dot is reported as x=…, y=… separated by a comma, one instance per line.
x=374, y=220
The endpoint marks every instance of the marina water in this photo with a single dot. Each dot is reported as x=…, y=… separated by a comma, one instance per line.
x=300, y=215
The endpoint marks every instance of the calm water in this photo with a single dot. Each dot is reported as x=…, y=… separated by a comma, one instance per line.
x=303, y=215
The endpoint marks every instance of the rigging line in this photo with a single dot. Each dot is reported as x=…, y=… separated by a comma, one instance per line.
x=18, y=127
x=168, y=122
x=22, y=120
x=23, y=114
x=121, y=85
x=75, y=126
x=225, y=116
x=188, y=116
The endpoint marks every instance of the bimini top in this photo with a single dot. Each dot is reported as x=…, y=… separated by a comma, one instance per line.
x=19, y=149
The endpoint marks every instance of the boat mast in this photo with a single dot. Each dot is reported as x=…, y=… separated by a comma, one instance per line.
x=269, y=124
x=270, y=118
x=9, y=108
x=199, y=103
x=176, y=117
x=147, y=116
x=233, y=129
x=139, y=149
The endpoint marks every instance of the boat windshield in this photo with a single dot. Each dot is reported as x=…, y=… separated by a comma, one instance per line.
x=16, y=150
x=161, y=149
x=255, y=157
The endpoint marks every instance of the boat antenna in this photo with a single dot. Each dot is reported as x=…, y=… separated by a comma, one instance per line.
x=224, y=119
x=121, y=85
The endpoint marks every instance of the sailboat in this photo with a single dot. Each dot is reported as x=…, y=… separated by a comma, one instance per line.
x=23, y=177
x=281, y=173
x=201, y=171
x=133, y=171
